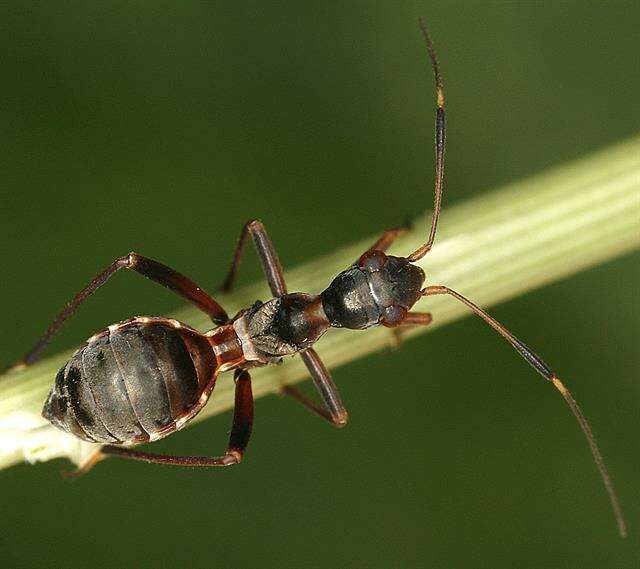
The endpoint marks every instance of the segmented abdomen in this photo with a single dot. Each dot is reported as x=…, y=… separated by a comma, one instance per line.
x=137, y=381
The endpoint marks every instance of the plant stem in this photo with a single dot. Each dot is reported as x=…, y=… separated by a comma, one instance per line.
x=492, y=248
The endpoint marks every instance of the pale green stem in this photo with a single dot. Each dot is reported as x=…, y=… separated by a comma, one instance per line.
x=492, y=248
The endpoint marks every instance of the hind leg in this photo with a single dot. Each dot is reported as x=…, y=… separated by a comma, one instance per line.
x=146, y=267
x=238, y=439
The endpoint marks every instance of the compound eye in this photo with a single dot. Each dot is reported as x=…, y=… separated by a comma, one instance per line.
x=372, y=261
x=394, y=316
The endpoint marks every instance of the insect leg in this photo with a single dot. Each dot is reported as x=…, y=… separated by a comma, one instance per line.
x=387, y=238
x=411, y=319
x=146, y=267
x=417, y=319
x=266, y=252
x=333, y=411
x=238, y=439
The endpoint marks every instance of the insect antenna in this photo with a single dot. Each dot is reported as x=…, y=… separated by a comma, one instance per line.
x=545, y=371
x=595, y=451
x=439, y=144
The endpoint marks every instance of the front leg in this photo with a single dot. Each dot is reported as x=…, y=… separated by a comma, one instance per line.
x=268, y=258
x=386, y=239
x=411, y=319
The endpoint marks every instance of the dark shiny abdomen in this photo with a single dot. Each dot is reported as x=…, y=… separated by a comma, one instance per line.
x=132, y=382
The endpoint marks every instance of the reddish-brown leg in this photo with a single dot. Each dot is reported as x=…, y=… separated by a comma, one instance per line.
x=417, y=319
x=146, y=267
x=387, y=238
x=268, y=258
x=94, y=459
x=333, y=411
x=238, y=439
x=411, y=319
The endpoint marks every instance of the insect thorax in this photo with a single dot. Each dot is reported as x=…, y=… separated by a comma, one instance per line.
x=283, y=326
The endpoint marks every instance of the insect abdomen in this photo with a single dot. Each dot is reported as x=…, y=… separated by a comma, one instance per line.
x=132, y=382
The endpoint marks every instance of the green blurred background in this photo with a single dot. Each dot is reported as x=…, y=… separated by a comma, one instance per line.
x=161, y=127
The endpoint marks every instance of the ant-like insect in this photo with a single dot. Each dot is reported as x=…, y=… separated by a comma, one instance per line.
x=147, y=377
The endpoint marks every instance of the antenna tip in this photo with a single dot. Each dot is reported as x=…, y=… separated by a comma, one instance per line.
x=423, y=26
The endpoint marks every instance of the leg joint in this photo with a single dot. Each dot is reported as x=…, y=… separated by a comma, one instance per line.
x=254, y=225
x=132, y=259
x=128, y=261
x=232, y=457
x=340, y=420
